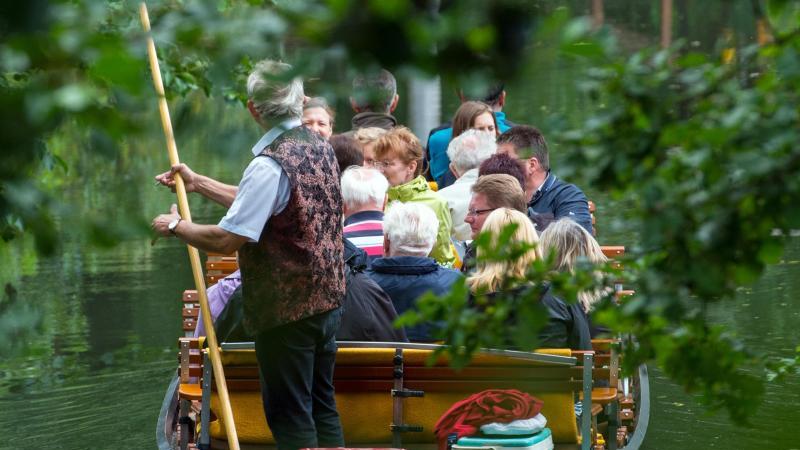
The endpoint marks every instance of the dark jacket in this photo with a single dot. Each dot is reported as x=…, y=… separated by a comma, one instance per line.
x=355, y=257
x=566, y=326
x=561, y=200
x=372, y=119
x=406, y=279
x=469, y=261
x=368, y=313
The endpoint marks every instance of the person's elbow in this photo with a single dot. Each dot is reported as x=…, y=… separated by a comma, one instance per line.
x=230, y=243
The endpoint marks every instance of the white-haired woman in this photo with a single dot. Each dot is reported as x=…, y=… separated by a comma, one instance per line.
x=566, y=325
x=466, y=152
x=406, y=272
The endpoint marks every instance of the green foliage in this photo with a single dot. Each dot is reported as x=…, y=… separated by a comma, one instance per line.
x=708, y=155
x=80, y=63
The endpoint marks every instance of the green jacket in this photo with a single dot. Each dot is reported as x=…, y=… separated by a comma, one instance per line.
x=417, y=190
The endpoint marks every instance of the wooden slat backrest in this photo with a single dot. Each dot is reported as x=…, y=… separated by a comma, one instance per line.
x=613, y=251
x=222, y=266
x=219, y=266
x=190, y=311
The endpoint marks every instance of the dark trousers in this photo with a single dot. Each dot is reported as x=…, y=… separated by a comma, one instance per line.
x=296, y=363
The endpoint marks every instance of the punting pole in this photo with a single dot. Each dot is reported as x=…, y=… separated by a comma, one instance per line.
x=194, y=256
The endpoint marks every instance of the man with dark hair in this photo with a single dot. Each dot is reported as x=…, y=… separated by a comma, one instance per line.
x=500, y=163
x=546, y=193
x=374, y=99
x=436, y=152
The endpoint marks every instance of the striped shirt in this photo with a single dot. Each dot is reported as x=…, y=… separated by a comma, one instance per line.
x=365, y=230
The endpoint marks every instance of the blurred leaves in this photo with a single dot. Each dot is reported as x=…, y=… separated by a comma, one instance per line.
x=708, y=155
x=79, y=63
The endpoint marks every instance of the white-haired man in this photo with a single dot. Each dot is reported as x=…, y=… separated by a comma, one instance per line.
x=466, y=153
x=363, y=197
x=293, y=269
x=406, y=271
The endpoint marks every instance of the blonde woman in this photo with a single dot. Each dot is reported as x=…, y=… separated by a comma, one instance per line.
x=566, y=325
x=569, y=242
x=490, y=276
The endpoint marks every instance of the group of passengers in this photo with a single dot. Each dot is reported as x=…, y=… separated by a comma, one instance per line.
x=339, y=234
x=411, y=213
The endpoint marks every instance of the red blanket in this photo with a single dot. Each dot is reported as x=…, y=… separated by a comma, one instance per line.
x=493, y=405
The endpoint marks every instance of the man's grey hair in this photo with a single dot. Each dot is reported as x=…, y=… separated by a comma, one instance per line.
x=273, y=96
x=411, y=229
x=374, y=91
x=469, y=149
x=362, y=186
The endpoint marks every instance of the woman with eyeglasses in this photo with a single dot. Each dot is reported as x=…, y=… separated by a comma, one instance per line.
x=398, y=155
x=566, y=325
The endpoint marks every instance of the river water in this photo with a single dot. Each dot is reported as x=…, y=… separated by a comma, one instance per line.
x=88, y=336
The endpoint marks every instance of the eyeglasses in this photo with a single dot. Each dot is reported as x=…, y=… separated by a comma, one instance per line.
x=478, y=212
x=382, y=164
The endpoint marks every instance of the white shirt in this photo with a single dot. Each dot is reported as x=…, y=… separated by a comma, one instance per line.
x=458, y=196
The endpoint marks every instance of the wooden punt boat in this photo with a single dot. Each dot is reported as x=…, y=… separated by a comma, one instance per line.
x=380, y=409
x=388, y=396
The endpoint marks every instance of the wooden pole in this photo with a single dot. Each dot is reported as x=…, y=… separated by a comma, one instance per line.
x=598, y=16
x=194, y=256
x=666, y=23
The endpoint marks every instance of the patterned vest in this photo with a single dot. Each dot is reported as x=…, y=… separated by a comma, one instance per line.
x=296, y=269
